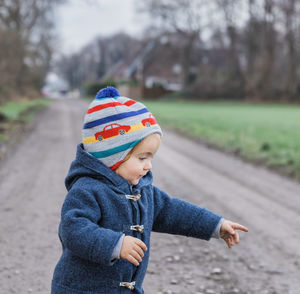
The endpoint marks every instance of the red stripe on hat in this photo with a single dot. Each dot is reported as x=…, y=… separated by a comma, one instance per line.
x=111, y=104
x=116, y=165
x=129, y=102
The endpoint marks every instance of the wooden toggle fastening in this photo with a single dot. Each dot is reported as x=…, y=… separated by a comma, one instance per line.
x=128, y=285
x=137, y=228
x=134, y=197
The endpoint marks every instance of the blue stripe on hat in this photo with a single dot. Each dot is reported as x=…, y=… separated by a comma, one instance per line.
x=114, y=118
x=112, y=151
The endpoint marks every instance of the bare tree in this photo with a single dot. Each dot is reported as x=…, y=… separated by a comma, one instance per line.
x=94, y=61
x=184, y=17
x=291, y=10
x=268, y=54
x=29, y=24
x=231, y=9
x=225, y=48
x=252, y=47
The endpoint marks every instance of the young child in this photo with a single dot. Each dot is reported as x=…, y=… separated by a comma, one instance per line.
x=112, y=206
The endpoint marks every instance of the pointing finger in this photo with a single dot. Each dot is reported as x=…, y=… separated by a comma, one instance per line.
x=237, y=226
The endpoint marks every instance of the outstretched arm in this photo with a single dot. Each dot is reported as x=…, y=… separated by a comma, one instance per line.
x=176, y=216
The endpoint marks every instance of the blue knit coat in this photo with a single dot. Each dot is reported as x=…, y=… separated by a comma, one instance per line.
x=95, y=214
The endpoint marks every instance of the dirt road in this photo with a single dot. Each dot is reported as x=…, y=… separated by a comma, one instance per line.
x=267, y=260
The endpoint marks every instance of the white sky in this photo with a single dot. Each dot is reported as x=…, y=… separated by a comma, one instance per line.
x=80, y=21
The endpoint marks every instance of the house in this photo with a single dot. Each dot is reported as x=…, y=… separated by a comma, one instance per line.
x=155, y=69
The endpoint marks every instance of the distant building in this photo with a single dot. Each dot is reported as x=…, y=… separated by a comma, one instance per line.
x=155, y=71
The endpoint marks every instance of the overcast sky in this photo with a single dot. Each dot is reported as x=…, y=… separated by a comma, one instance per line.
x=80, y=21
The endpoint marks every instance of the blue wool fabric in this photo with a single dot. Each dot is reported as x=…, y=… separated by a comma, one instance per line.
x=107, y=92
x=98, y=210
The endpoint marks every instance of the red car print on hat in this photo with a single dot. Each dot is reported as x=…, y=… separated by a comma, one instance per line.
x=147, y=122
x=111, y=130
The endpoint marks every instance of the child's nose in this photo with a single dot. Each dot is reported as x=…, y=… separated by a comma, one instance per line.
x=148, y=165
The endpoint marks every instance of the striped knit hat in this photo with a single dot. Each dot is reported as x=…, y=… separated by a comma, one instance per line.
x=114, y=124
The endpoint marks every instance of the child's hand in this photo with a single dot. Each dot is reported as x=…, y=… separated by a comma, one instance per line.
x=229, y=234
x=132, y=250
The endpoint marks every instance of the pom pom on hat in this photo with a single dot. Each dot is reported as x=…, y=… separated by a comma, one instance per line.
x=114, y=124
x=108, y=92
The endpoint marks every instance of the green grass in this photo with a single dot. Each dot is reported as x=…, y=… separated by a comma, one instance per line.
x=16, y=113
x=22, y=110
x=264, y=133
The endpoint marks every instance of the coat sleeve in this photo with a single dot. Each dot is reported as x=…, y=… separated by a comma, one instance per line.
x=79, y=230
x=176, y=216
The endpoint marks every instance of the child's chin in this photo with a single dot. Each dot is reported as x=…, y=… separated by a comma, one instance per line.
x=135, y=182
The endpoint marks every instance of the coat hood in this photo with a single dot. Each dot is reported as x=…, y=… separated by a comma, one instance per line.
x=85, y=165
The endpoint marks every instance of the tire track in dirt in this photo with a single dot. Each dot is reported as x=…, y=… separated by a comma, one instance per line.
x=32, y=191
x=255, y=178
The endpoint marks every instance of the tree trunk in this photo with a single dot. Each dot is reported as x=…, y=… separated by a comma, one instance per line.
x=185, y=60
x=236, y=76
x=267, y=62
x=291, y=81
x=252, y=50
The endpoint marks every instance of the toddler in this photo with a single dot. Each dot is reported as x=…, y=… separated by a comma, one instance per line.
x=112, y=206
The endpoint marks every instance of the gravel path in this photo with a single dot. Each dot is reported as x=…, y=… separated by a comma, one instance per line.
x=267, y=260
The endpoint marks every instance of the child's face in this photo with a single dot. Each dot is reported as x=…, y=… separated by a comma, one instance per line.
x=139, y=162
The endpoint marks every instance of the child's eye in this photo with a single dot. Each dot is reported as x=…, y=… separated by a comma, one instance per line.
x=142, y=158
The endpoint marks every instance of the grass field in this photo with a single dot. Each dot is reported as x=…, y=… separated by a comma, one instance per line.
x=14, y=114
x=264, y=133
x=17, y=110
